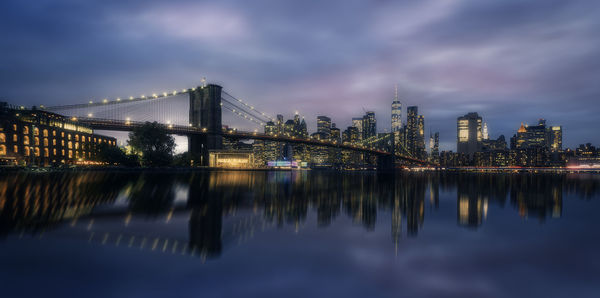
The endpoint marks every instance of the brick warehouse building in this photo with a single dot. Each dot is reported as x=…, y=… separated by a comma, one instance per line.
x=44, y=138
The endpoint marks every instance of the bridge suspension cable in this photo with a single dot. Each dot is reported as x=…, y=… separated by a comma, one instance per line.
x=242, y=115
x=252, y=108
x=118, y=100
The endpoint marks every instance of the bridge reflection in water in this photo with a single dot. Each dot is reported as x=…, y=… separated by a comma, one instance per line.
x=223, y=208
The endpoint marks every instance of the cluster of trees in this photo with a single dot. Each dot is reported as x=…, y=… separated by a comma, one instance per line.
x=151, y=146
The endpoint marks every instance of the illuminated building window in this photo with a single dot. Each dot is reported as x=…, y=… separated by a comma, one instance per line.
x=26, y=151
x=16, y=149
x=76, y=154
x=94, y=139
x=77, y=138
x=26, y=130
x=62, y=143
x=83, y=139
x=2, y=149
x=26, y=140
x=62, y=134
x=36, y=151
x=2, y=137
x=53, y=151
x=76, y=145
x=70, y=153
x=15, y=137
x=54, y=133
x=36, y=131
x=46, y=142
x=46, y=152
x=14, y=127
x=62, y=152
x=45, y=133
x=53, y=142
x=69, y=137
x=70, y=145
x=36, y=141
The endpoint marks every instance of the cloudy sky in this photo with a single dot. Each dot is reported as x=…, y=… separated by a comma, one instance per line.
x=511, y=61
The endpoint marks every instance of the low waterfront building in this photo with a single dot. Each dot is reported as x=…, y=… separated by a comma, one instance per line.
x=32, y=136
x=231, y=159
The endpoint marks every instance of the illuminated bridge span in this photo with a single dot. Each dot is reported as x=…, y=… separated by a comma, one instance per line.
x=200, y=119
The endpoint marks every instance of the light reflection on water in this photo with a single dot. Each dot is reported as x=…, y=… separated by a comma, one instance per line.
x=213, y=216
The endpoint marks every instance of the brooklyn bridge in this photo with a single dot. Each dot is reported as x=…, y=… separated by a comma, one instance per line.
x=196, y=113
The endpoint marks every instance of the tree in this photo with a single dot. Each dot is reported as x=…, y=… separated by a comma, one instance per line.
x=182, y=159
x=152, y=142
x=114, y=155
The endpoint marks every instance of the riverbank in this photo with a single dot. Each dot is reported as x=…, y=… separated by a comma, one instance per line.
x=12, y=169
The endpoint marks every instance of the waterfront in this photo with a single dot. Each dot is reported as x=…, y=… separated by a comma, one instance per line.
x=298, y=234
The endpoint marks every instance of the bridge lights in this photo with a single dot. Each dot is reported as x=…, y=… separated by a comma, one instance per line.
x=127, y=121
x=118, y=99
x=91, y=102
x=130, y=97
x=154, y=95
x=174, y=92
x=143, y=96
x=105, y=100
x=165, y=94
x=90, y=115
x=74, y=119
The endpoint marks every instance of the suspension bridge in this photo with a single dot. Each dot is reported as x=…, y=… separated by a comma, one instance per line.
x=196, y=113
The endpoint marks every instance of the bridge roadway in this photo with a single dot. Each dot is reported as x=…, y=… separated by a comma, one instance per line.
x=127, y=125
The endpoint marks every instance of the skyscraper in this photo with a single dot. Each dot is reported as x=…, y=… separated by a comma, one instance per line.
x=369, y=125
x=485, y=133
x=555, y=138
x=435, y=149
x=324, y=127
x=279, y=124
x=415, y=132
x=396, y=113
x=335, y=133
x=358, y=123
x=469, y=134
x=540, y=135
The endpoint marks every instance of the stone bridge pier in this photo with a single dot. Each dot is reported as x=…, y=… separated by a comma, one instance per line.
x=205, y=114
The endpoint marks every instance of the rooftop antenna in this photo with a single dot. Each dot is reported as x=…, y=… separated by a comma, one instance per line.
x=395, y=92
x=203, y=82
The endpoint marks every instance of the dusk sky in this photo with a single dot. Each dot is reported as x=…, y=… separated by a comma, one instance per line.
x=510, y=61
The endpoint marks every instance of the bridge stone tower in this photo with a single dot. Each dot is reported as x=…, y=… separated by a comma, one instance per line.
x=205, y=113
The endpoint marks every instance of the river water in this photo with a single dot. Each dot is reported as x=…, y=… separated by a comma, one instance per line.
x=299, y=234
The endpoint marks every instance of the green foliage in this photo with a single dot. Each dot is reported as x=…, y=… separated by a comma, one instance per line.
x=182, y=160
x=114, y=155
x=153, y=143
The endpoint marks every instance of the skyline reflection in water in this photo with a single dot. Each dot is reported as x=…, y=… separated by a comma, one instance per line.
x=213, y=215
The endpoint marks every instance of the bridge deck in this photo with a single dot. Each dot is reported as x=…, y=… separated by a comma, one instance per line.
x=125, y=125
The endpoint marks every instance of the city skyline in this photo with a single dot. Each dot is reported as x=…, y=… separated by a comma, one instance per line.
x=287, y=58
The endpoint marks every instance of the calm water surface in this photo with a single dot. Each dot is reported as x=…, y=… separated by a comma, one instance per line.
x=299, y=234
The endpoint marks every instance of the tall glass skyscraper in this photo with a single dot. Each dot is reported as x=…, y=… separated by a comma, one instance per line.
x=369, y=125
x=469, y=134
x=324, y=127
x=396, y=113
x=358, y=123
x=415, y=132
